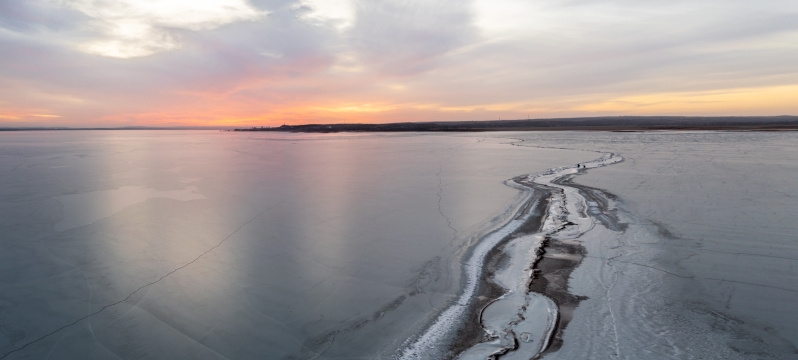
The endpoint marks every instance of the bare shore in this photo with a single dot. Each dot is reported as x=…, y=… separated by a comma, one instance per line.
x=608, y=123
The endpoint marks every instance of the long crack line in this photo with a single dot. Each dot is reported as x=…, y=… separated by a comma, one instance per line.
x=612, y=315
x=440, y=200
x=45, y=336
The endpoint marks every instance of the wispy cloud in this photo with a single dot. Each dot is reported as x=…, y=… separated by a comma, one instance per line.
x=400, y=37
x=128, y=28
x=283, y=61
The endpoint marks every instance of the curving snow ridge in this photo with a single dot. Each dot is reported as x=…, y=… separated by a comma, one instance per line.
x=569, y=205
x=519, y=323
x=427, y=345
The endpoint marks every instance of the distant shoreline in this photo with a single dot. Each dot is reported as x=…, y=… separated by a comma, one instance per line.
x=604, y=123
x=609, y=123
x=62, y=128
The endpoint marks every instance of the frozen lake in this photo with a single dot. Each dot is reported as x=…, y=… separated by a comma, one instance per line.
x=220, y=245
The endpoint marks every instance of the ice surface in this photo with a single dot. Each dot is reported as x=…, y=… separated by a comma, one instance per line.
x=705, y=268
x=200, y=244
x=86, y=208
x=215, y=245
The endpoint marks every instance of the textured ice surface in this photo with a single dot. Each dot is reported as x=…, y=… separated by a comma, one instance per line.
x=706, y=268
x=520, y=324
x=427, y=345
x=192, y=244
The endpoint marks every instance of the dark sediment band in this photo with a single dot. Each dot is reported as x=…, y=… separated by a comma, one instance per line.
x=601, y=210
x=561, y=257
x=558, y=258
x=471, y=331
x=547, y=216
x=551, y=280
x=552, y=270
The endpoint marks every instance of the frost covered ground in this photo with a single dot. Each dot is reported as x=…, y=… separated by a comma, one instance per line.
x=706, y=268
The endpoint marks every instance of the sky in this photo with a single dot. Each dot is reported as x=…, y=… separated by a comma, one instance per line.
x=108, y=63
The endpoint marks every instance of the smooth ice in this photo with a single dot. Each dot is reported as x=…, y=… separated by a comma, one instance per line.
x=214, y=245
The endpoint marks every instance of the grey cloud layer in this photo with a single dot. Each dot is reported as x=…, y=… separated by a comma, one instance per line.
x=404, y=37
x=434, y=48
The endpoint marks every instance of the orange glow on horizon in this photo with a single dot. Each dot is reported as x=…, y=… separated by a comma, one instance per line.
x=26, y=116
x=214, y=109
x=776, y=100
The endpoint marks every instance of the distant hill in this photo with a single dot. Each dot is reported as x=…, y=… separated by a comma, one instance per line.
x=60, y=128
x=605, y=123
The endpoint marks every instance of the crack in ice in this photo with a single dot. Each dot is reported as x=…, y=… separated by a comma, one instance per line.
x=612, y=314
x=73, y=323
x=440, y=200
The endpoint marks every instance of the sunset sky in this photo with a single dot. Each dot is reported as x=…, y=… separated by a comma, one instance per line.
x=272, y=62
